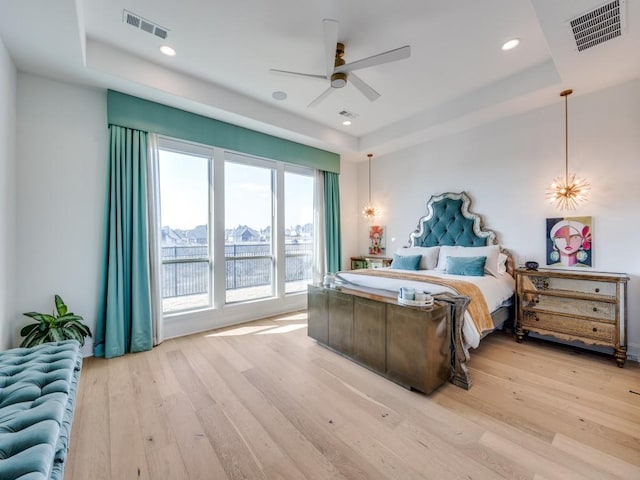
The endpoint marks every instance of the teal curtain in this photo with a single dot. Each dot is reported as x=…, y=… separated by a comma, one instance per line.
x=124, y=323
x=333, y=241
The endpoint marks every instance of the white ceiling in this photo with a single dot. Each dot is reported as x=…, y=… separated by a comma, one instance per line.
x=457, y=76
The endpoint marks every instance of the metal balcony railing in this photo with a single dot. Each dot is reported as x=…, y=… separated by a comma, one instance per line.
x=185, y=269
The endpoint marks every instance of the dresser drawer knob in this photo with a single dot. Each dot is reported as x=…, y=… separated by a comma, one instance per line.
x=595, y=329
x=597, y=290
x=595, y=309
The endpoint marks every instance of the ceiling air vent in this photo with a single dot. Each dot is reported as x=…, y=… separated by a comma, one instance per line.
x=144, y=24
x=131, y=19
x=160, y=32
x=348, y=114
x=599, y=25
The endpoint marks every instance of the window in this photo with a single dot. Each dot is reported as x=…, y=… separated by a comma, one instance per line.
x=248, y=248
x=184, y=221
x=299, y=231
x=261, y=220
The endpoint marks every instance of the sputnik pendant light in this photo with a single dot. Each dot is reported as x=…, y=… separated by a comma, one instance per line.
x=567, y=192
x=370, y=211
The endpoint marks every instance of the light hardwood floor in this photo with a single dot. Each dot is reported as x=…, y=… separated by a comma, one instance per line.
x=264, y=401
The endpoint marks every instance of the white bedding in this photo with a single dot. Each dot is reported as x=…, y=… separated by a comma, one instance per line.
x=496, y=291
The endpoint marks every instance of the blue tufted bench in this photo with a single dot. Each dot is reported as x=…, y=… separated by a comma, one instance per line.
x=37, y=397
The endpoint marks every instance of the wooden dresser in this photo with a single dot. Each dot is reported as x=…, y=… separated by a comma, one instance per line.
x=409, y=345
x=590, y=307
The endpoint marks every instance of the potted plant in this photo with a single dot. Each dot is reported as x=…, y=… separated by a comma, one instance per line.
x=62, y=325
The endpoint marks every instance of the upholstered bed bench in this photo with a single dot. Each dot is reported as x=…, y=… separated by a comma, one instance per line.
x=37, y=398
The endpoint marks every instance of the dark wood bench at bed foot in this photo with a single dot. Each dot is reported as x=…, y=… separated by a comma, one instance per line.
x=408, y=345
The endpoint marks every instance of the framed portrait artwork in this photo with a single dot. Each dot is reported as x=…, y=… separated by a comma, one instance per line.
x=570, y=241
x=376, y=240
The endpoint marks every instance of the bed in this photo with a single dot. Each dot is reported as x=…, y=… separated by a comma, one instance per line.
x=448, y=242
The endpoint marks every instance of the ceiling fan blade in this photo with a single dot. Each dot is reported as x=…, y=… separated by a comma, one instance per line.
x=297, y=74
x=330, y=30
x=366, y=89
x=386, y=57
x=320, y=97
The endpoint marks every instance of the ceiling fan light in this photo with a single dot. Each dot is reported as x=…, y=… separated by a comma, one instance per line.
x=338, y=80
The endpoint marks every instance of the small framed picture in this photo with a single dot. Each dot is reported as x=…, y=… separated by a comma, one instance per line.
x=376, y=240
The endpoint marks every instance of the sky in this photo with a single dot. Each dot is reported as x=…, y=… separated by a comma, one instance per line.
x=184, y=194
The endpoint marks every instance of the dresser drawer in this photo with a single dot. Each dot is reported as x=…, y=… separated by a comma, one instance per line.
x=604, y=332
x=571, y=306
x=595, y=287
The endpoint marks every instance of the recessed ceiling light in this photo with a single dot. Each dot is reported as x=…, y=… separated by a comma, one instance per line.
x=167, y=50
x=347, y=122
x=278, y=95
x=509, y=44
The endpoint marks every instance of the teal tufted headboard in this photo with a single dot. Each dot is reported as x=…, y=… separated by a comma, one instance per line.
x=449, y=222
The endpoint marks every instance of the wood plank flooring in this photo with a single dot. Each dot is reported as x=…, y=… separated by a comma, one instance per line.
x=264, y=401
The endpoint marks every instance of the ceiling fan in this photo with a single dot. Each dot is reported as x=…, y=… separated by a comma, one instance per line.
x=338, y=72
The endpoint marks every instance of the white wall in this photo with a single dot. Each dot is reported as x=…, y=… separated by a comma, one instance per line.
x=62, y=151
x=349, y=211
x=506, y=166
x=8, y=77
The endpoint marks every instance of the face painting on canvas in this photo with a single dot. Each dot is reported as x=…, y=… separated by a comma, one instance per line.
x=570, y=241
x=376, y=240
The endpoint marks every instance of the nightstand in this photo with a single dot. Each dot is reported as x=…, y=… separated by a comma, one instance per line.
x=369, y=261
x=572, y=305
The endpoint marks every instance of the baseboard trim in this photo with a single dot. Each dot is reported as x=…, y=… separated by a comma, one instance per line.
x=633, y=352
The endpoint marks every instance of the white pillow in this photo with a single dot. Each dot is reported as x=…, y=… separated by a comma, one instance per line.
x=502, y=263
x=491, y=252
x=429, y=258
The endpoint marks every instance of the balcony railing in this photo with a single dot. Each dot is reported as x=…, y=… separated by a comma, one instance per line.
x=185, y=269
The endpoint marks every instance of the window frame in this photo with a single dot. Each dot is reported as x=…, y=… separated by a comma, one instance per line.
x=307, y=172
x=194, y=150
x=272, y=166
x=217, y=157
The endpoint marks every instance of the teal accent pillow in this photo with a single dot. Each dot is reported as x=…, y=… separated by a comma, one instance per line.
x=471, y=266
x=406, y=262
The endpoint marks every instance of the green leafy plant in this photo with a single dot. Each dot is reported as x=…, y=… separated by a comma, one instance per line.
x=62, y=325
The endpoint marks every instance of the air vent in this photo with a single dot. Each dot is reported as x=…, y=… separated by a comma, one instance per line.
x=146, y=26
x=347, y=114
x=599, y=25
x=143, y=24
x=161, y=32
x=132, y=19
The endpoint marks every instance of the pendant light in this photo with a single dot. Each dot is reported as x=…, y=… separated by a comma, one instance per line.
x=567, y=192
x=370, y=211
